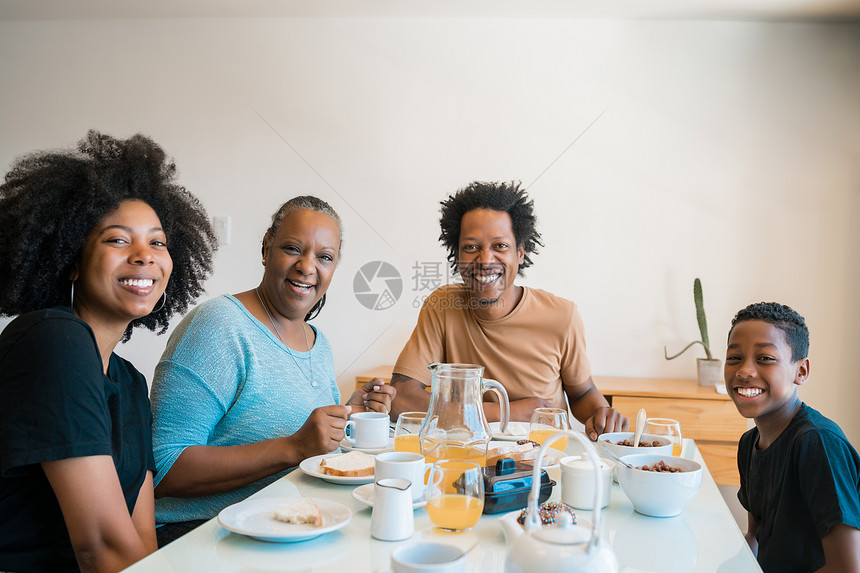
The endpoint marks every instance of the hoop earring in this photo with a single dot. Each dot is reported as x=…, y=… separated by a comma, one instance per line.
x=72, y=303
x=315, y=309
x=163, y=300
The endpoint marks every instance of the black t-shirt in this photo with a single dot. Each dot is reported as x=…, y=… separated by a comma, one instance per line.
x=56, y=403
x=804, y=483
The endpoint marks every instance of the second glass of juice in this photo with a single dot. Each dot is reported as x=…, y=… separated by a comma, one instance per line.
x=406, y=432
x=666, y=428
x=546, y=421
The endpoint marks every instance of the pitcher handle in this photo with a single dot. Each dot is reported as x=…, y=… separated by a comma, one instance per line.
x=488, y=385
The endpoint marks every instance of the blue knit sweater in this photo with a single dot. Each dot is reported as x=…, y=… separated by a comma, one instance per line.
x=224, y=380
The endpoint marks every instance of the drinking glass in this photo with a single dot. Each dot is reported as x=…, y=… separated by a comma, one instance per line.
x=455, y=495
x=406, y=432
x=667, y=428
x=546, y=421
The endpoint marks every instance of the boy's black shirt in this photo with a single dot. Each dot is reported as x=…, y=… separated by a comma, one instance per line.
x=804, y=483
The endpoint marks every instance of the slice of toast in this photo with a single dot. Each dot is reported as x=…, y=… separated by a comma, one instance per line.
x=350, y=464
x=300, y=510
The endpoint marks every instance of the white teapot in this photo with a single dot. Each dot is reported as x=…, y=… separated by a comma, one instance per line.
x=563, y=547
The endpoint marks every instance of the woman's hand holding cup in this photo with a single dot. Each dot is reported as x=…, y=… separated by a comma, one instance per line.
x=323, y=431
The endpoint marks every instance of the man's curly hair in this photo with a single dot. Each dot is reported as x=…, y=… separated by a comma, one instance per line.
x=508, y=197
x=784, y=318
x=51, y=200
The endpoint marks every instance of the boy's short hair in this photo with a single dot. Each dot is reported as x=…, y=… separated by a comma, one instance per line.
x=784, y=318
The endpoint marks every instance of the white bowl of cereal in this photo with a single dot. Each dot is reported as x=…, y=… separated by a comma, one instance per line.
x=659, y=485
x=621, y=444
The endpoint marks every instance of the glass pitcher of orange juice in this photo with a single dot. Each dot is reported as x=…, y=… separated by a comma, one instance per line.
x=455, y=426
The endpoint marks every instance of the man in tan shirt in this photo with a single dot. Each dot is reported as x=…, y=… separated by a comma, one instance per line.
x=530, y=340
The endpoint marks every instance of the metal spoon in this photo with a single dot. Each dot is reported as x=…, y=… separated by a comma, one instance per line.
x=618, y=459
x=640, y=425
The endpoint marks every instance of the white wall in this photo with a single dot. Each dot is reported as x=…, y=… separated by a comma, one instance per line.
x=723, y=150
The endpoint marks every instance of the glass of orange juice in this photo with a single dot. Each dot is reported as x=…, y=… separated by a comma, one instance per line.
x=546, y=421
x=406, y=432
x=455, y=495
x=666, y=428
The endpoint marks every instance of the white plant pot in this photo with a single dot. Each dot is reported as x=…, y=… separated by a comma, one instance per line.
x=709, y=371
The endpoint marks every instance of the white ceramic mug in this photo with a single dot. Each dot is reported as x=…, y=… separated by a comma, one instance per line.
x=428, y=558
x=392, y=518
x=405, y=465
x=577, y=481
x=367, y=430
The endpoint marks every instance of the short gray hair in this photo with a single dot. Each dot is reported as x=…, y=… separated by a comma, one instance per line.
x=304, y=202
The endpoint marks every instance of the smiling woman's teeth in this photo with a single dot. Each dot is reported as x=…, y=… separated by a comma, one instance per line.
x=749, y=392
x=300, y=285
x=140, y=283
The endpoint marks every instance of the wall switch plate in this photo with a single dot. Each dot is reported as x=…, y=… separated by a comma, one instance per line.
x=222, y=229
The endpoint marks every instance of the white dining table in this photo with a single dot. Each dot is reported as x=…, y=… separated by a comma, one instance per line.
x=704, y=538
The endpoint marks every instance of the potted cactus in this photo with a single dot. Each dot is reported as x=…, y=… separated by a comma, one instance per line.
x=708, y=369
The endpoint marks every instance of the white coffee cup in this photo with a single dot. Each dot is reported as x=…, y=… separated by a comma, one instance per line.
x=367, y=430
x=577, y=481
x=405, y=465
x=428, y=558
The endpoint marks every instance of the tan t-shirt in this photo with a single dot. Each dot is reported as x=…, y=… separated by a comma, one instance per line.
x=534, y=351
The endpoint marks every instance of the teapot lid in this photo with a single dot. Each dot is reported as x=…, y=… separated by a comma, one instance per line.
x=564, y=532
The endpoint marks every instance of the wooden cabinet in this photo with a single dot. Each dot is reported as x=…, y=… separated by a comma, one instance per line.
x=383, y=372
x=709, y=418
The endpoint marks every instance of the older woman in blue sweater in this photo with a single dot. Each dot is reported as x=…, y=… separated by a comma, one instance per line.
x=246, y=387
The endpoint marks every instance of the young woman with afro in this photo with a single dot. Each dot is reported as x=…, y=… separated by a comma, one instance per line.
x=93, y=242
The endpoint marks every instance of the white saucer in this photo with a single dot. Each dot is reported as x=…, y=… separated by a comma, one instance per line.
x=346, y=446
x=254, y=518
x=365, y=494
x=311, y=466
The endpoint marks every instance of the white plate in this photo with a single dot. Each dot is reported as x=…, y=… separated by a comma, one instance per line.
x=365, y=494
x=516, y=431
x=255, y=518
x=346, y=446
x=311, y=466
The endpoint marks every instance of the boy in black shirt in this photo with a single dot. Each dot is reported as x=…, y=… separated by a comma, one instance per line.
x=800, y=477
